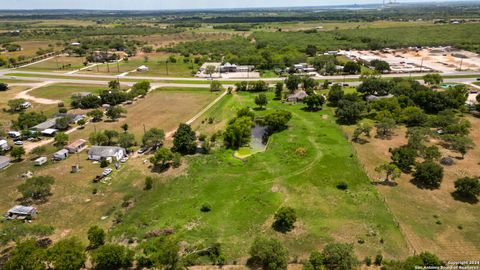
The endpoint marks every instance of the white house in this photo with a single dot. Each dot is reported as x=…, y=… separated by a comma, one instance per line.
x=4, y=145
x=60, y=155
x=109, y=153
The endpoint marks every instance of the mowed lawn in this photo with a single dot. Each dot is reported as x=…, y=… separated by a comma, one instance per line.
x=58, y=64
x=455, y=236
x=64, y=92
x=300, y=169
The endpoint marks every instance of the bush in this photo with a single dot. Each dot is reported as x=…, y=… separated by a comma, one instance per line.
x=339, y=256
x=96, y=236
x=378, y=259
x=468, y=187
x=342, y=186
x=104, y=163
x=269, y=254
x=284, y=219
x=428, y=175
x=112, y=257
x=206, y=207
x=148, y=183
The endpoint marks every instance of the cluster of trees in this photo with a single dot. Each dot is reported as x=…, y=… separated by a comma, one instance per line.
x=36, y=188
x=249, y=86
x=123, y=139
x=239, y=129
x=3, y=86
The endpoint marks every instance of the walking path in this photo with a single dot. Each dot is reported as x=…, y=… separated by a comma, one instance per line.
x=34, y=63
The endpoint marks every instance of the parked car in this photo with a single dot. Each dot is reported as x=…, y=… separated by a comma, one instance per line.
x=143, y=150
x=18, y=143
x=107, y=171
x=123, y=160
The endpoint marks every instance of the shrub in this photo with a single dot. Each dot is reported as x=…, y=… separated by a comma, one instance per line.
x=428, y=175
x=342, y=186
x=103, y=163
x=148, y=183
x=206, y=207
x=284, y=219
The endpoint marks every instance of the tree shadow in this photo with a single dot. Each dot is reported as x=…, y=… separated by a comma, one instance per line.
x=160, y=169
x=385, y=183
x=259, y=109
x=361, y=141
x=463, y=198
x=306, y=109
x=421, y=185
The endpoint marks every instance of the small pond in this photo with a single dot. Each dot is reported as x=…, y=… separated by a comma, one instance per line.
x=258, y=142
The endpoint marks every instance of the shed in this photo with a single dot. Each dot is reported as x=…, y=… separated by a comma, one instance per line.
x=76, y=146
x=4, y=162
x=40, y=161
x=49, y=132
x=99, y=153
x=22, y=212
x=60, y=155
x=297, y=97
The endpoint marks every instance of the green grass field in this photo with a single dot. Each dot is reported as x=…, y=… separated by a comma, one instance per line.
x=64, y=92
x=58, y=64
x=245, y=194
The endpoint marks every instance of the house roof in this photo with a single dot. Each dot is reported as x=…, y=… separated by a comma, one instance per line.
x=104, y=151
x=50, y=123
x=61, y=152
x=298, y=95
x=76, y=144
x=2, y=142
x=49, y=131
x=22, y=210
x=4, y=159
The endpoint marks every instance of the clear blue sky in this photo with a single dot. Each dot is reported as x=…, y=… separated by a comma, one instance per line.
x=170, y=4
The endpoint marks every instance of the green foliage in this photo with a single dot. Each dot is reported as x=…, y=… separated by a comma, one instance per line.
x=14, y=104
x=216, y=86
x=350, y=109
x=339, y=256
x=96, y=236
x=26, y=255
x=162, y=157
x=385, y=127
x=261, y=100
x=375, y=86
x=277, y=120
x=404, y=157
x=115, y=112
x=112, y=257
x=17, y=230
x=61, y=139
x=428, y=175
x=314, y=102
x=148, y=183
x=17, y=152
x=37, y=187
x=380, y=65
x=269, y=254
x=238, y=132
x=284, y=219
x=468, y=187
x=162, y=253
x=459, y=144
x=292, y=82
x=126, y=140
x=154, y=138
x=97, y=115
x=278, y=90
x=351, y=67
x=359, y=130
x=28, y=120
x=335, y=94
x=3, y=86
x=413, y=116
x=184, y=140
x=67, y=254
x=391, y=171
x=433, y=79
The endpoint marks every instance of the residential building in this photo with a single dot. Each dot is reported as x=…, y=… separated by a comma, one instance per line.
x=4, y=162
x=109, y=153
x=76, y=146
x=40, y=161
x=60, y=155
x=297, y=97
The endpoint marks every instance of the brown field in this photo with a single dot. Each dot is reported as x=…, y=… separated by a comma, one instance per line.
x=29, y=48
x=58, y=64
x=164, y=40
x=417, y=210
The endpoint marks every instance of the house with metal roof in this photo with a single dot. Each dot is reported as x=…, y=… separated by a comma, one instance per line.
x=4, y=162
x=60, y=155
x=22, y=212
x=76, y=146
x=49, y=124
x=109, y=153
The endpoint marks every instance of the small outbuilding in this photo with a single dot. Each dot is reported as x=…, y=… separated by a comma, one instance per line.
x=40, y=161
x=4, y=162
x=142, y=69
x=297, y=97
x=76, y=146
x=49, y=132
x=21, y=212
x=60, y=155
x=109, y=153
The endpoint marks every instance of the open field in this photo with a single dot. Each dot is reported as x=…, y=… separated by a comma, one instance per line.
x=416, y=209
x=161, y=109
x=58, y=64
x=64, y=92
x=29, y=48
x=328, y=26
x=245, y=194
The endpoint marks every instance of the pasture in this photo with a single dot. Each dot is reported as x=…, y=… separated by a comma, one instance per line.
x=455, y=236
x=58, y=64
x=301, y=169
x=64, y=92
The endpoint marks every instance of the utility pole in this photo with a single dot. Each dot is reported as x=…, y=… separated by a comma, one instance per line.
x=421, y=66
x=166, y=66
x=118, y=67
x=56, y=61
x=461, y=63
x=108, y=67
